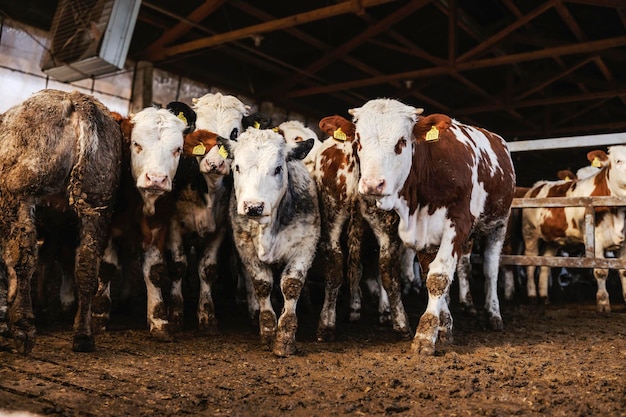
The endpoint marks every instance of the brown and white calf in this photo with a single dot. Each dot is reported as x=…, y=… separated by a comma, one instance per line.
x=205, y=185
x=448, y=182
x=558, y=226
x=146, y=203
x=65, y=144
x=275, y=219
x=337, y=175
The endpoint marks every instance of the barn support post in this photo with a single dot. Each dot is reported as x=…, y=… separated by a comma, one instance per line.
x=141, y=96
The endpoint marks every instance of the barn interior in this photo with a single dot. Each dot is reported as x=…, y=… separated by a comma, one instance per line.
x=527, y=70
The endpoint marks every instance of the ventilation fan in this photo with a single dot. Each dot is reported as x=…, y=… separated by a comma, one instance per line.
x=89, y=38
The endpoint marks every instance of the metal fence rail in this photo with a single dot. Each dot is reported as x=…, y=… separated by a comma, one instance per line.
x=588, y=260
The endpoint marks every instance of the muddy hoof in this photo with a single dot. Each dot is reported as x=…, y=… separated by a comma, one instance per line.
x=354, y=316
x=4, y=330
x=544, y=301
x=385, y=318
x=284, y=349
x=469, y=310
x=207, y=329
x=99, y=323
x=161, y=335
x=24, y=340
x=83, y=343
x=325, y=334
x=496, y=324
x=403, y=335
x=423, y=347
x=446, y=338
x=603, y=308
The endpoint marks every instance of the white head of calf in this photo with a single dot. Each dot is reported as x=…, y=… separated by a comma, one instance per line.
x=296, y=131
x=260, y=173
x=155, y=149
x=617, y=166
x=384, y=131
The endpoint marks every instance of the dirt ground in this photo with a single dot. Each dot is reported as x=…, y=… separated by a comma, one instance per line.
x=559, y=360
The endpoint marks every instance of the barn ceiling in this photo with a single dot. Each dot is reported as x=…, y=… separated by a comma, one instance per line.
x=525, y=69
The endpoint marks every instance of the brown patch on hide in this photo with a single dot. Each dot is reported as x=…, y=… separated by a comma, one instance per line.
x=196, y=138
x=333, y=160
x=400, y=145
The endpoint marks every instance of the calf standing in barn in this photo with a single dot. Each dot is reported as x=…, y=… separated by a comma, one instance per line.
x=66, y=144
x=558, y=226
x=153, y=144
x=201, y=217
x=448, y=182
x=276, y=223
x=337, y=175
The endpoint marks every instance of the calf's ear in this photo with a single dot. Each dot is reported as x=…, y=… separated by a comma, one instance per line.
x=300, y=149
x=256, y=120
x=184, y=113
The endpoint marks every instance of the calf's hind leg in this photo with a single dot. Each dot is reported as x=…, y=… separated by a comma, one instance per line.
x=20, y=256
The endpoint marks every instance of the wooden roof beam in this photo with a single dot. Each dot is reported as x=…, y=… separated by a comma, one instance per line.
x=352, y=6
x=584, y=47
x=155, y=50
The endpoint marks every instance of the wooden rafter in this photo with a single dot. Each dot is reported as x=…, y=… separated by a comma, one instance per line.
x=278, y=24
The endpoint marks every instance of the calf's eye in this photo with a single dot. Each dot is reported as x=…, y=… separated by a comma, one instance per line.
x=237, y=168
x=137, y=147
x=278, y=170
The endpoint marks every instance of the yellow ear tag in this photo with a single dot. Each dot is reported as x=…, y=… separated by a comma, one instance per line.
x=182, y=117
x=567, y=178
x=199, y=149
x=257, y=125
x=596, y=162
x=223, y=152
x=340, y=135
x=432, y=134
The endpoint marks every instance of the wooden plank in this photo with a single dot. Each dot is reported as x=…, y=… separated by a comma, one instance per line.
x=568, y=202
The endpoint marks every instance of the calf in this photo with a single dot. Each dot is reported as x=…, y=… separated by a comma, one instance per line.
x=597, y=159
x=202, y=207
x=56, y=143
x=153, y=144
x=275, y=220
x=337, y=174
x=559, y=226
x=448, y=182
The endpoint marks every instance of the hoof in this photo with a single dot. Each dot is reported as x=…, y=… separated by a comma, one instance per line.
x=469, y=310
x=355, y=316
x=603, y=308
x=99, y=323
x=544, y=300
x=385, y=318
x=446, y=338
x=161, y=335
x=326, y=334
x=208, y=329
x=24, y=340
x=423, y=347
x=4, y=330
x=284, y=349
x=496, y=323
x=403, y=335
x=83, y=343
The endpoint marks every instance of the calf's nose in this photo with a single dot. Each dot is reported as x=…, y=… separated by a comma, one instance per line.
x=373, y=186
x=156, y=181
x=253, y=209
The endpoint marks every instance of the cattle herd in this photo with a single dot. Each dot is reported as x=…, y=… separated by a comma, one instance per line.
x=163, y=190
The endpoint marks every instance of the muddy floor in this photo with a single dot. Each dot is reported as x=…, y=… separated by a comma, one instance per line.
x=559, y=360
